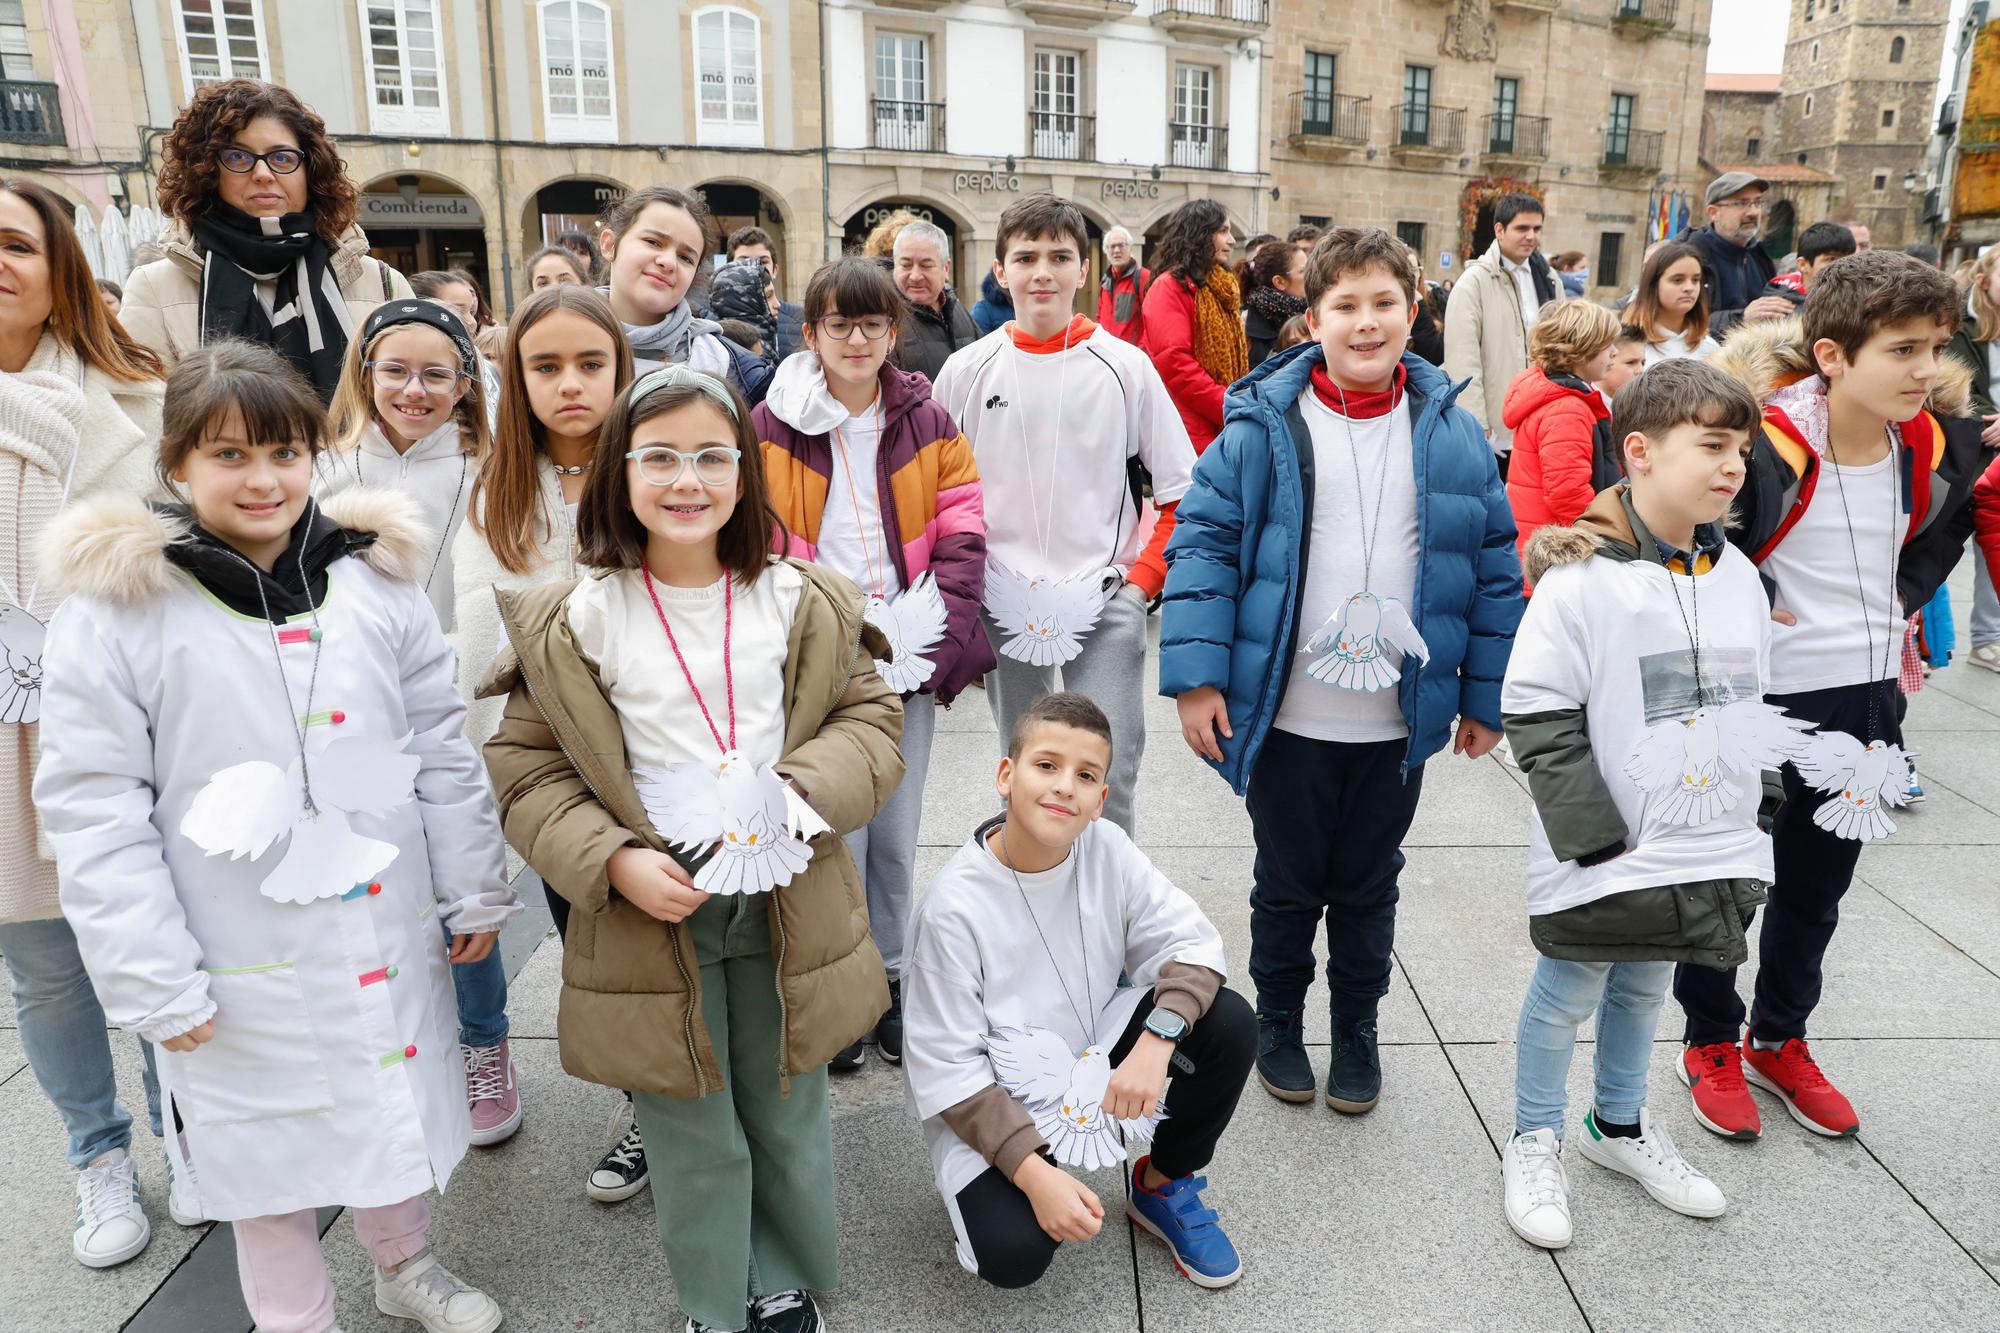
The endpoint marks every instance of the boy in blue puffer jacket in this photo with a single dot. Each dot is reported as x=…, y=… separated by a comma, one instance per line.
x=1342, y=585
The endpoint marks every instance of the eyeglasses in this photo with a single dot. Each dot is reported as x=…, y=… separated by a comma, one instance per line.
x=873, y=327
x=396, y=377
x=1741, y=203
x=284, y=161
x=661, y=466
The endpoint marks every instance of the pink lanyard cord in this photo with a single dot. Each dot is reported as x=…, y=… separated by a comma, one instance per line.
x=728, y=674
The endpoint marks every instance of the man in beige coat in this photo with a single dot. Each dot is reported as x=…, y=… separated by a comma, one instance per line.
x=1491, y=310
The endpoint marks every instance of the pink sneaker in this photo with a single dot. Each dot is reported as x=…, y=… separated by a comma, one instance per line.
x=491, y=1093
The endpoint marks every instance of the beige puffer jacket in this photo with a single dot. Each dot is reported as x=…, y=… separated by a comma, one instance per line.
x=162, y=306
x=630, y=1014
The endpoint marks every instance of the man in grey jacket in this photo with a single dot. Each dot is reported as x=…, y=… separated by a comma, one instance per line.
x=1492, y=308
x=938, y=325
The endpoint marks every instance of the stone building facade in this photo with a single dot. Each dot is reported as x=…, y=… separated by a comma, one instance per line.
x=475, y=141
x=1859, y=83
x=1413, y=115
x=1739, y=132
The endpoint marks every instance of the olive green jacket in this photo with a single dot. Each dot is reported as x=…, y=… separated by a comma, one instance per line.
x=1701, y=922
x=630, y=1014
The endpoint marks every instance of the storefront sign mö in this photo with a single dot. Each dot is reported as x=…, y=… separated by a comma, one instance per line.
x=985, y=182
x=1131, y=190
x=425, y=210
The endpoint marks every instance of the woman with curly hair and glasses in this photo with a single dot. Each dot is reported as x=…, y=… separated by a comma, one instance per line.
x=1193, y=323
x=263, y=244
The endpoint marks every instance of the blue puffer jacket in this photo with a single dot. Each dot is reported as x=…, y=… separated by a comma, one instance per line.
x=1237, y=559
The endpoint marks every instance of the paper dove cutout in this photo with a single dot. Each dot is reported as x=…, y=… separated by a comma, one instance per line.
x=913, y=624
x=1683, y=765
x=246, y=808
x=758, y=824
x=1355, y=640
x=1065, y=1094
x=21, y=636
x=1861, y=778
x=1044, y=618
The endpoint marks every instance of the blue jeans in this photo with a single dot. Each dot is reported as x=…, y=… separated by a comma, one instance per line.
x=63, y=1034
x=1627, y=998
x=482, y=997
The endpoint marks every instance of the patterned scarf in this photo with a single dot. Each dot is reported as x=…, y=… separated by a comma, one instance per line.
x=1220, y=347
x=1275, y=306
x=308, y=323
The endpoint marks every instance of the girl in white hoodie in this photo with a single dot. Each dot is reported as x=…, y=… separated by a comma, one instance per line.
x=255, y=780
x=410, y=414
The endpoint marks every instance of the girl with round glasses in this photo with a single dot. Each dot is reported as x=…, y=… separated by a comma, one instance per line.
x=242, y=156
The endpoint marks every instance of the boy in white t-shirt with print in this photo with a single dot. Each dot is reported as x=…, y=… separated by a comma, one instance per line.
x=1055, y=979
x=1634, y=705
x=1061, y=416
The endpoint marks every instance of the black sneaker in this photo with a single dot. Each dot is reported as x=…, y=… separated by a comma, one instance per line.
x=849, y=1059
x=621, y=1172
x=1282, y=1066
x=786, y=1312
x=1354, y=1078
x=889, y=1028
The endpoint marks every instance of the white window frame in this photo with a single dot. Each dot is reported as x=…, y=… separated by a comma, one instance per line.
x=229, y=66
x=409, y=118
x=727, y=130
x=908, y=124
x=1192, y=136
x=580, y=127
x=1057, y=76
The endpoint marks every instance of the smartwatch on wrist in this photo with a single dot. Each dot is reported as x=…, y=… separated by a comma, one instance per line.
x=1166, y=1024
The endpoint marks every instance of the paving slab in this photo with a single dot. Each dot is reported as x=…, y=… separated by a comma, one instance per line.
x=1953, y=890
x=1807, y=1216
x=1378, y=1217
x=38, y=1271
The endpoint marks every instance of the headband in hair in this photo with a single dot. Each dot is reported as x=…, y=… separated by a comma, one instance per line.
x=430, y=314
x=680, y=377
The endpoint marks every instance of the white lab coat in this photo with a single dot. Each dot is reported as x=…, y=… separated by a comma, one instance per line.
x=334, y=1075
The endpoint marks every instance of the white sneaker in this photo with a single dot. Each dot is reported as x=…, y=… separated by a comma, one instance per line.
x=1537, y=1189
x=428, y=1292
x=1986, y=655
x=1654, y=1161
x=182, y=1203
x=111, y=1227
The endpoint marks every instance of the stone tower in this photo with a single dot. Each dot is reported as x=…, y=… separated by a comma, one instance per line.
x=1855, y=101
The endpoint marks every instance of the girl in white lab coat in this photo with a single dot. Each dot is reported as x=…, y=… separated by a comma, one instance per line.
x=258, y=790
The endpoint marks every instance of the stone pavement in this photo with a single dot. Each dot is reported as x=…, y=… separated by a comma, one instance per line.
x=1391, y=1221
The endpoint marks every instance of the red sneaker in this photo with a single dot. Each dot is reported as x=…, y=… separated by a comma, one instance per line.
x=1791, y=1072
x=1722, y=1103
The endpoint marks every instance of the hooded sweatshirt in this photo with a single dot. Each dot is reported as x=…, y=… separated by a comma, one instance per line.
x=1560, y=426
x=435, y=471
x=926, y=497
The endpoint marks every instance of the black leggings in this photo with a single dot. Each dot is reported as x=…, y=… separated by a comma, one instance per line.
x=1011, y=1248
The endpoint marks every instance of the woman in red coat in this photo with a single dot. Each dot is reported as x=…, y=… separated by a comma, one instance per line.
x=1192, y=317
x=1563, y=450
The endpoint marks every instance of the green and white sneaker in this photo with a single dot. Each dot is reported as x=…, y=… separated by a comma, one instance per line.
x=1654, y=1161
x=1537, y=1189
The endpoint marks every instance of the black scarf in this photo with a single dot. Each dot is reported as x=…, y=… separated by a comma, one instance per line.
x=309, y=326
x=317, y=541
x=1274, y=305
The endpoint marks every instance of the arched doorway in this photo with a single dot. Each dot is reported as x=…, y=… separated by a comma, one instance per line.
x=866, y=218
x=1780, y=229
x=416, y=222
x=573, y=203
x=1475, y=211
x=734, y=204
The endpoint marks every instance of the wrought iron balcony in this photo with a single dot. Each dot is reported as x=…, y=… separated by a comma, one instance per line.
x=910, y=127
x=1062, y=136
x=1196, y=19
x=1632, y=150
x=1205, y=147
x=1426, y=127
x=1524, y=137
x=1339, y=118
x=1645, y=16
x=30, y=112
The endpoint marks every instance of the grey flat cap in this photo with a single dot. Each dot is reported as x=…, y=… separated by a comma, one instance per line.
x=1730, y=182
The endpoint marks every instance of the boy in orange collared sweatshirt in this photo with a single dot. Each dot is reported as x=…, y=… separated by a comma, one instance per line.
x=1062, y=418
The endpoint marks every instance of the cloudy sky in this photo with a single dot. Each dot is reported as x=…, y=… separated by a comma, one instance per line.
x=1748, y=36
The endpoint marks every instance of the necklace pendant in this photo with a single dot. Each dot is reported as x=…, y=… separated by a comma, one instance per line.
x=22, y=634
x=1355, y=644
x=1045, y=619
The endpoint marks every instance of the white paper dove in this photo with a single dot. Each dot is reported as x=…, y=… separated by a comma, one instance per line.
x=1861, y=778
x=1045, y=619
x=1355, y=643
x=246, y=808
x=21, y=636
x=758, y=824
x=1065, y=1093
x=1683, y=766
x=913, y=624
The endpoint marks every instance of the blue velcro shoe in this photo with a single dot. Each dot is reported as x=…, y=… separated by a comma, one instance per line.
x=1176, y=1214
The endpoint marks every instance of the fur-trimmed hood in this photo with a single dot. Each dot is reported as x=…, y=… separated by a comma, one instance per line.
x=115, y=546
x=1609, y=528
x=1770, y=354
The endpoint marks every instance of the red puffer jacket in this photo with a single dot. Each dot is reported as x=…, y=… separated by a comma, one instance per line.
x=1166, y=334
x=1554, y=425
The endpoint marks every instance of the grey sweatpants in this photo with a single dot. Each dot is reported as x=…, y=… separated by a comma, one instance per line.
x=885, y=848
x=1110, y=672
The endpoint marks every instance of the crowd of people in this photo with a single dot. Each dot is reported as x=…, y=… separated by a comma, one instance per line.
x=337, y=613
